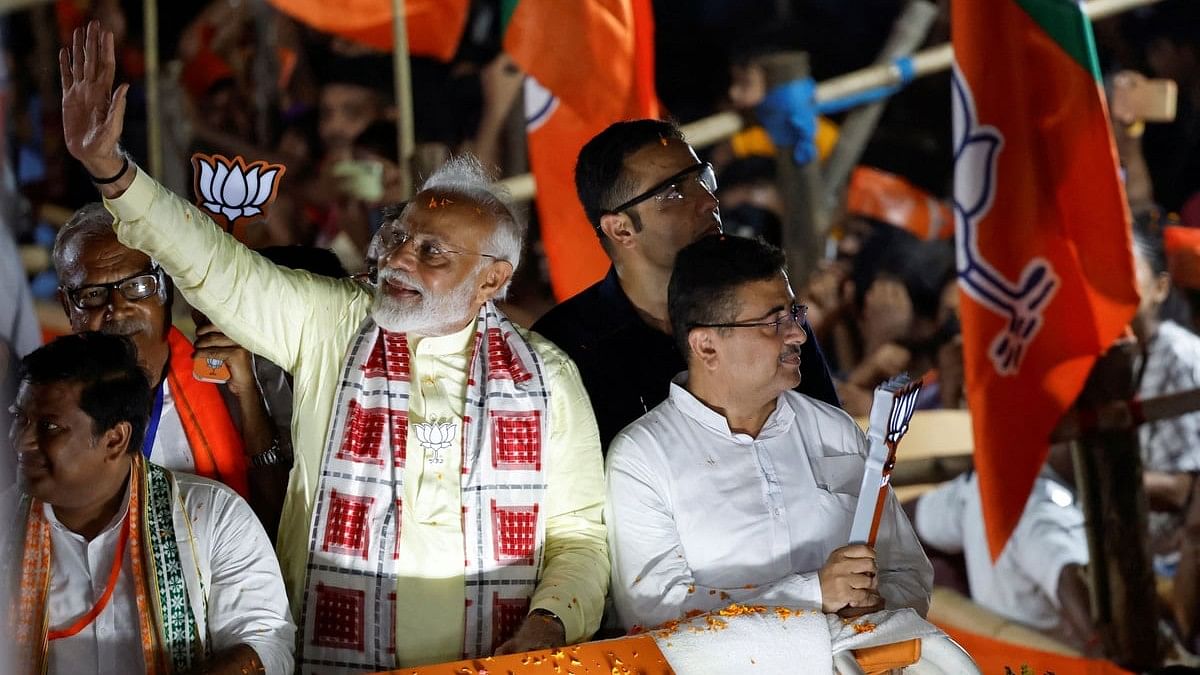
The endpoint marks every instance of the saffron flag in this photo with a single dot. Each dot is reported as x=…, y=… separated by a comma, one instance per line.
x=435, y=27
x=589, y=63
x=1044, y=256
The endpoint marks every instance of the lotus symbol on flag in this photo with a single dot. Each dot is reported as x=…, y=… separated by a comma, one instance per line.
x=233, y=188
x=1021, y=304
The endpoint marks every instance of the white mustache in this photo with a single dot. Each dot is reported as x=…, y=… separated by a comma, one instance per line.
x=125, y=327
x=392, y=274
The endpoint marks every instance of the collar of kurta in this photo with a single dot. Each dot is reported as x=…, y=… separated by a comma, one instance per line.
x=779, y=422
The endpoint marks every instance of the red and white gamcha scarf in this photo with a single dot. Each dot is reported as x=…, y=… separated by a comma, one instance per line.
x=349, y=599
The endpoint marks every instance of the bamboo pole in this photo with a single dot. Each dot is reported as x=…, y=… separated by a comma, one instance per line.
x=714, y=129
x=154, y=150
x=406, y=136
x=1108, y=470
x=805, y=217
x=1119, y=415
x=266, y=73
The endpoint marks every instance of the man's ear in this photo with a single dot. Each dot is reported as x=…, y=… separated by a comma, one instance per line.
x=492, y=279
x=703, y=348
x=618, y=228
x=114, y=442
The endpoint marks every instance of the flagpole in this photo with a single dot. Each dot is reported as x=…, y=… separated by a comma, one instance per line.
x=153, y=101
x=406, y=137
x=716, y=128
x=908, y=33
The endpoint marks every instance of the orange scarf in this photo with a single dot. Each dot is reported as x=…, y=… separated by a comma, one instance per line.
x=217, y=447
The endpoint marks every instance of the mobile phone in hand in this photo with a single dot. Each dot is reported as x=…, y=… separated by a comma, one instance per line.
x=210, y=370
x=1136, y=98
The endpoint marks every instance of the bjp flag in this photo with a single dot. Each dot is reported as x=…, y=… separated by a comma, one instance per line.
x=589, y=63
x=435, y=27
x=1045, y=264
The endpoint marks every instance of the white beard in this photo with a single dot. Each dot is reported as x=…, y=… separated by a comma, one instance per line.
x=427, y=316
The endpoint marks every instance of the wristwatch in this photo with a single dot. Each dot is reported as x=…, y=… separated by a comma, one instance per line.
x=549, y=616
x=269, y=457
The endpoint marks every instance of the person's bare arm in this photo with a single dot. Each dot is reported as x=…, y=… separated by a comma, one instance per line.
x=1167, y=491
x=1075, y=601
x=268, y=484
x=1187, y=577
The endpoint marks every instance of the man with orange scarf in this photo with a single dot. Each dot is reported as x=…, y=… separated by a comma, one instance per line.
x=119, y=565
x=114, y=289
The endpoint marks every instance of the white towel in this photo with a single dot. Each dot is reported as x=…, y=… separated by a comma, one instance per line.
x=773, y=640
x=878, y=628
x=762, y=642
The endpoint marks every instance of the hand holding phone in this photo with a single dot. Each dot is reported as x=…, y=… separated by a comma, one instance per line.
x=1136, y=98
x=207, y=369
x=360, y=179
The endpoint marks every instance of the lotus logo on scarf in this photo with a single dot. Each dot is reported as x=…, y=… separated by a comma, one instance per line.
x=234, y=189
x=435, y=437
x=976, y=149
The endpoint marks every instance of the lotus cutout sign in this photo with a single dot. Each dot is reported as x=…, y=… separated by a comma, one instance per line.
x=232, y=189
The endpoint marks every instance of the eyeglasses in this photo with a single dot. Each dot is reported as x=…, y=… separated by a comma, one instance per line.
x=676, y=188
x=796, y=314
x=137, y=287
x=429, y=251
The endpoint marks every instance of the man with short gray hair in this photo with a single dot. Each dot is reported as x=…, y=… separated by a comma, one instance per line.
x=447, y=492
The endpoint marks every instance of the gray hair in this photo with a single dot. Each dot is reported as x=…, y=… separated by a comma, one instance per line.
x=91, y=221
x=465, y=176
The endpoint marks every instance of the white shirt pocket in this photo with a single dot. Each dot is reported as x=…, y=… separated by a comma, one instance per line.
x=838, y=474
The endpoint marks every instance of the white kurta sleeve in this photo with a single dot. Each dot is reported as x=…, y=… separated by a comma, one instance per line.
x=246, y=601
x=939, y=515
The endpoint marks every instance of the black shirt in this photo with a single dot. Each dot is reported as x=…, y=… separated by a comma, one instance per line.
x=627, y=365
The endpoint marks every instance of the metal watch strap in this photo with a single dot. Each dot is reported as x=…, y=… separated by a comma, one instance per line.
x=268, y=457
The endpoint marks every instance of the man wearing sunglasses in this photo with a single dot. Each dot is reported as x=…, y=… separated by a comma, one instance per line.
x=448, y=486
x=647, y=195
x=109, y=287
x=737, y=488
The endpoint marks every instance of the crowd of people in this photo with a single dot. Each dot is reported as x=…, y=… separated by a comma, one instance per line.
x=416, y=456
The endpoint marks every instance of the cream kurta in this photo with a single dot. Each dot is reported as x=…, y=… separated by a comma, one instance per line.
x=305, y=323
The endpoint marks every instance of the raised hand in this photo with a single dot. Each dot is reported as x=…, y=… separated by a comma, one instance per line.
x=93, y=114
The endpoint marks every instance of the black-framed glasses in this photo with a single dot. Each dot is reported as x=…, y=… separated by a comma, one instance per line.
x=430, y=251
x=676, y=188
x=133, y=288
x=797, y=314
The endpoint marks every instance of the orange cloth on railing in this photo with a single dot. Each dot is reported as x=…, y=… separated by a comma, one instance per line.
x=993, y=656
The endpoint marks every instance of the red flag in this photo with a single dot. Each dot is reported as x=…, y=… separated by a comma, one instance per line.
x=1044, y=254
x=590, y=63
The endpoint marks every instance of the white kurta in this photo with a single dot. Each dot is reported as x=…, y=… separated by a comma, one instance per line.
x=245, y=601
x=1022, y=584
x=699, y=516
x=171, y=449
